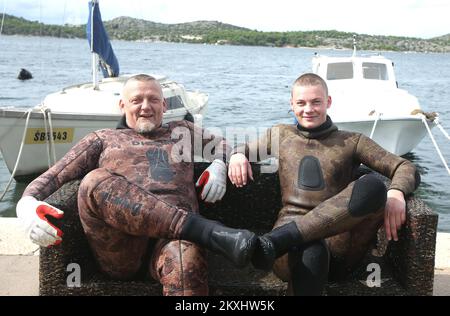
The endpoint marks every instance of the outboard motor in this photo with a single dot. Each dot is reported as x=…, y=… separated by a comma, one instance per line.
x=24, y=74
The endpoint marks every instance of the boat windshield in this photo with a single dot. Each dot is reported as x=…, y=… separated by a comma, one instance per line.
x=375, y=71
x=174, y=102
x=337, y=71
x=345, y=70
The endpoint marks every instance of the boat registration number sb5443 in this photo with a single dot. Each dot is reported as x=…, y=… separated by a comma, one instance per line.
x=40, y=136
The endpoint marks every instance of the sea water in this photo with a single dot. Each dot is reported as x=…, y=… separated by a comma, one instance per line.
x=247, y=86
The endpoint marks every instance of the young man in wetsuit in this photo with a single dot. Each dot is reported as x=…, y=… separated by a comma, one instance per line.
x=138, y=185
x=324, y=208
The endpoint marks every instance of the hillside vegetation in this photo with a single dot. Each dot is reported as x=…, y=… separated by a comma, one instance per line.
x=213, y=32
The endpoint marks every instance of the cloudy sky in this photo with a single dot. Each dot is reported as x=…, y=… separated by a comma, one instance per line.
x=417, y=18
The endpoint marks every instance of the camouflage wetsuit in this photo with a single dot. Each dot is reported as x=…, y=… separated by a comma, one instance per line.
x=317, y=178
x=131, y=186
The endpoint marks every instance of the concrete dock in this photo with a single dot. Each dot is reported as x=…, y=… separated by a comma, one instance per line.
x=19, y=262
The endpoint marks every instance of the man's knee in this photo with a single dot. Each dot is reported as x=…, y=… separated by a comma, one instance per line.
x=368, y=196
x=91, y=181
x=309, y=266
x=86, y=197
x=315, y=254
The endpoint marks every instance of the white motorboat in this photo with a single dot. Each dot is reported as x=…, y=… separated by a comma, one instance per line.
x=72, y=113
x=47, y=131
x=366, y=99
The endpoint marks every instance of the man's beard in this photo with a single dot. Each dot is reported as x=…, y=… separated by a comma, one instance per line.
x=145, y=127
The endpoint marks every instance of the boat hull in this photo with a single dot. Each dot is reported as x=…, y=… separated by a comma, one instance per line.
x=364, y=90
x=399, y=135
x=95, y=109
x=68, y=129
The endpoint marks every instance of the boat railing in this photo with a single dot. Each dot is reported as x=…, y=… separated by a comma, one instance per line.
x=161, y=79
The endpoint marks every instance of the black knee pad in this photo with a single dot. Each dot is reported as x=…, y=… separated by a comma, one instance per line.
x=315, y=253
x=368, y=196
x=309, y=265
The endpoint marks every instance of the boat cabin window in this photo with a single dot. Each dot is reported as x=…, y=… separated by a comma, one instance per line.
x=340, y=71
x=375, y=71
x=174, y=102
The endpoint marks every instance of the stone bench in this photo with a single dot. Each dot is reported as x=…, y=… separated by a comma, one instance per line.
x=407, y=266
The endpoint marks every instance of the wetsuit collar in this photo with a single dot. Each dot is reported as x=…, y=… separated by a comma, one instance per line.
x=122, y=124
x=323, y=130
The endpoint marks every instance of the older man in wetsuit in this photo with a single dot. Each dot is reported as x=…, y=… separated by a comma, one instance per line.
x=324, y=208
x=138, y=187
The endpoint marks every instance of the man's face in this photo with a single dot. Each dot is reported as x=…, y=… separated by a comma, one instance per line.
x=143, y=104
x=310, y=104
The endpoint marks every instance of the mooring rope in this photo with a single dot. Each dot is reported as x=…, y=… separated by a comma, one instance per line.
x=19, y=155
x=442, y=129
x=375, y=125
x=48, y=138
x=424, y=120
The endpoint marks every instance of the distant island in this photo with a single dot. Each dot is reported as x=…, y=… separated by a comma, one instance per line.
x=214, y=32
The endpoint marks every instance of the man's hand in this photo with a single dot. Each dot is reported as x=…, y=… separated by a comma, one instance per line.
x=33, y=215
x=394, y=213
x=238, y=170
x=213, y=181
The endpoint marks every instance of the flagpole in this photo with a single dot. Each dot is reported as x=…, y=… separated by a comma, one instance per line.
x=94, y=55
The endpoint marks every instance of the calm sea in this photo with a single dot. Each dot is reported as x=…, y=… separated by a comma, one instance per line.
x=246, y=85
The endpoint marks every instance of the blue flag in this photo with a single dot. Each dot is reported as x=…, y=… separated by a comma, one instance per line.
x=101, y=44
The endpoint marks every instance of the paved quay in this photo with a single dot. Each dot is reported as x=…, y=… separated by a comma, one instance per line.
x=19, y=262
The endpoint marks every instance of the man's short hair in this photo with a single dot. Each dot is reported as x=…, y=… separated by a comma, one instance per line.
x=310, y=79
x=140, y=77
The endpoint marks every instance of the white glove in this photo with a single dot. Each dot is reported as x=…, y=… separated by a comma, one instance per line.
x=213, y=181
x=32, y=214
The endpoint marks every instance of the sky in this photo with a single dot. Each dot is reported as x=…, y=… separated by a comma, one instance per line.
x=415, y=18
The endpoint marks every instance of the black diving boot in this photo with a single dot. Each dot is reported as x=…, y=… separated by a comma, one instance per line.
x=237, y=245
x=275, y=244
